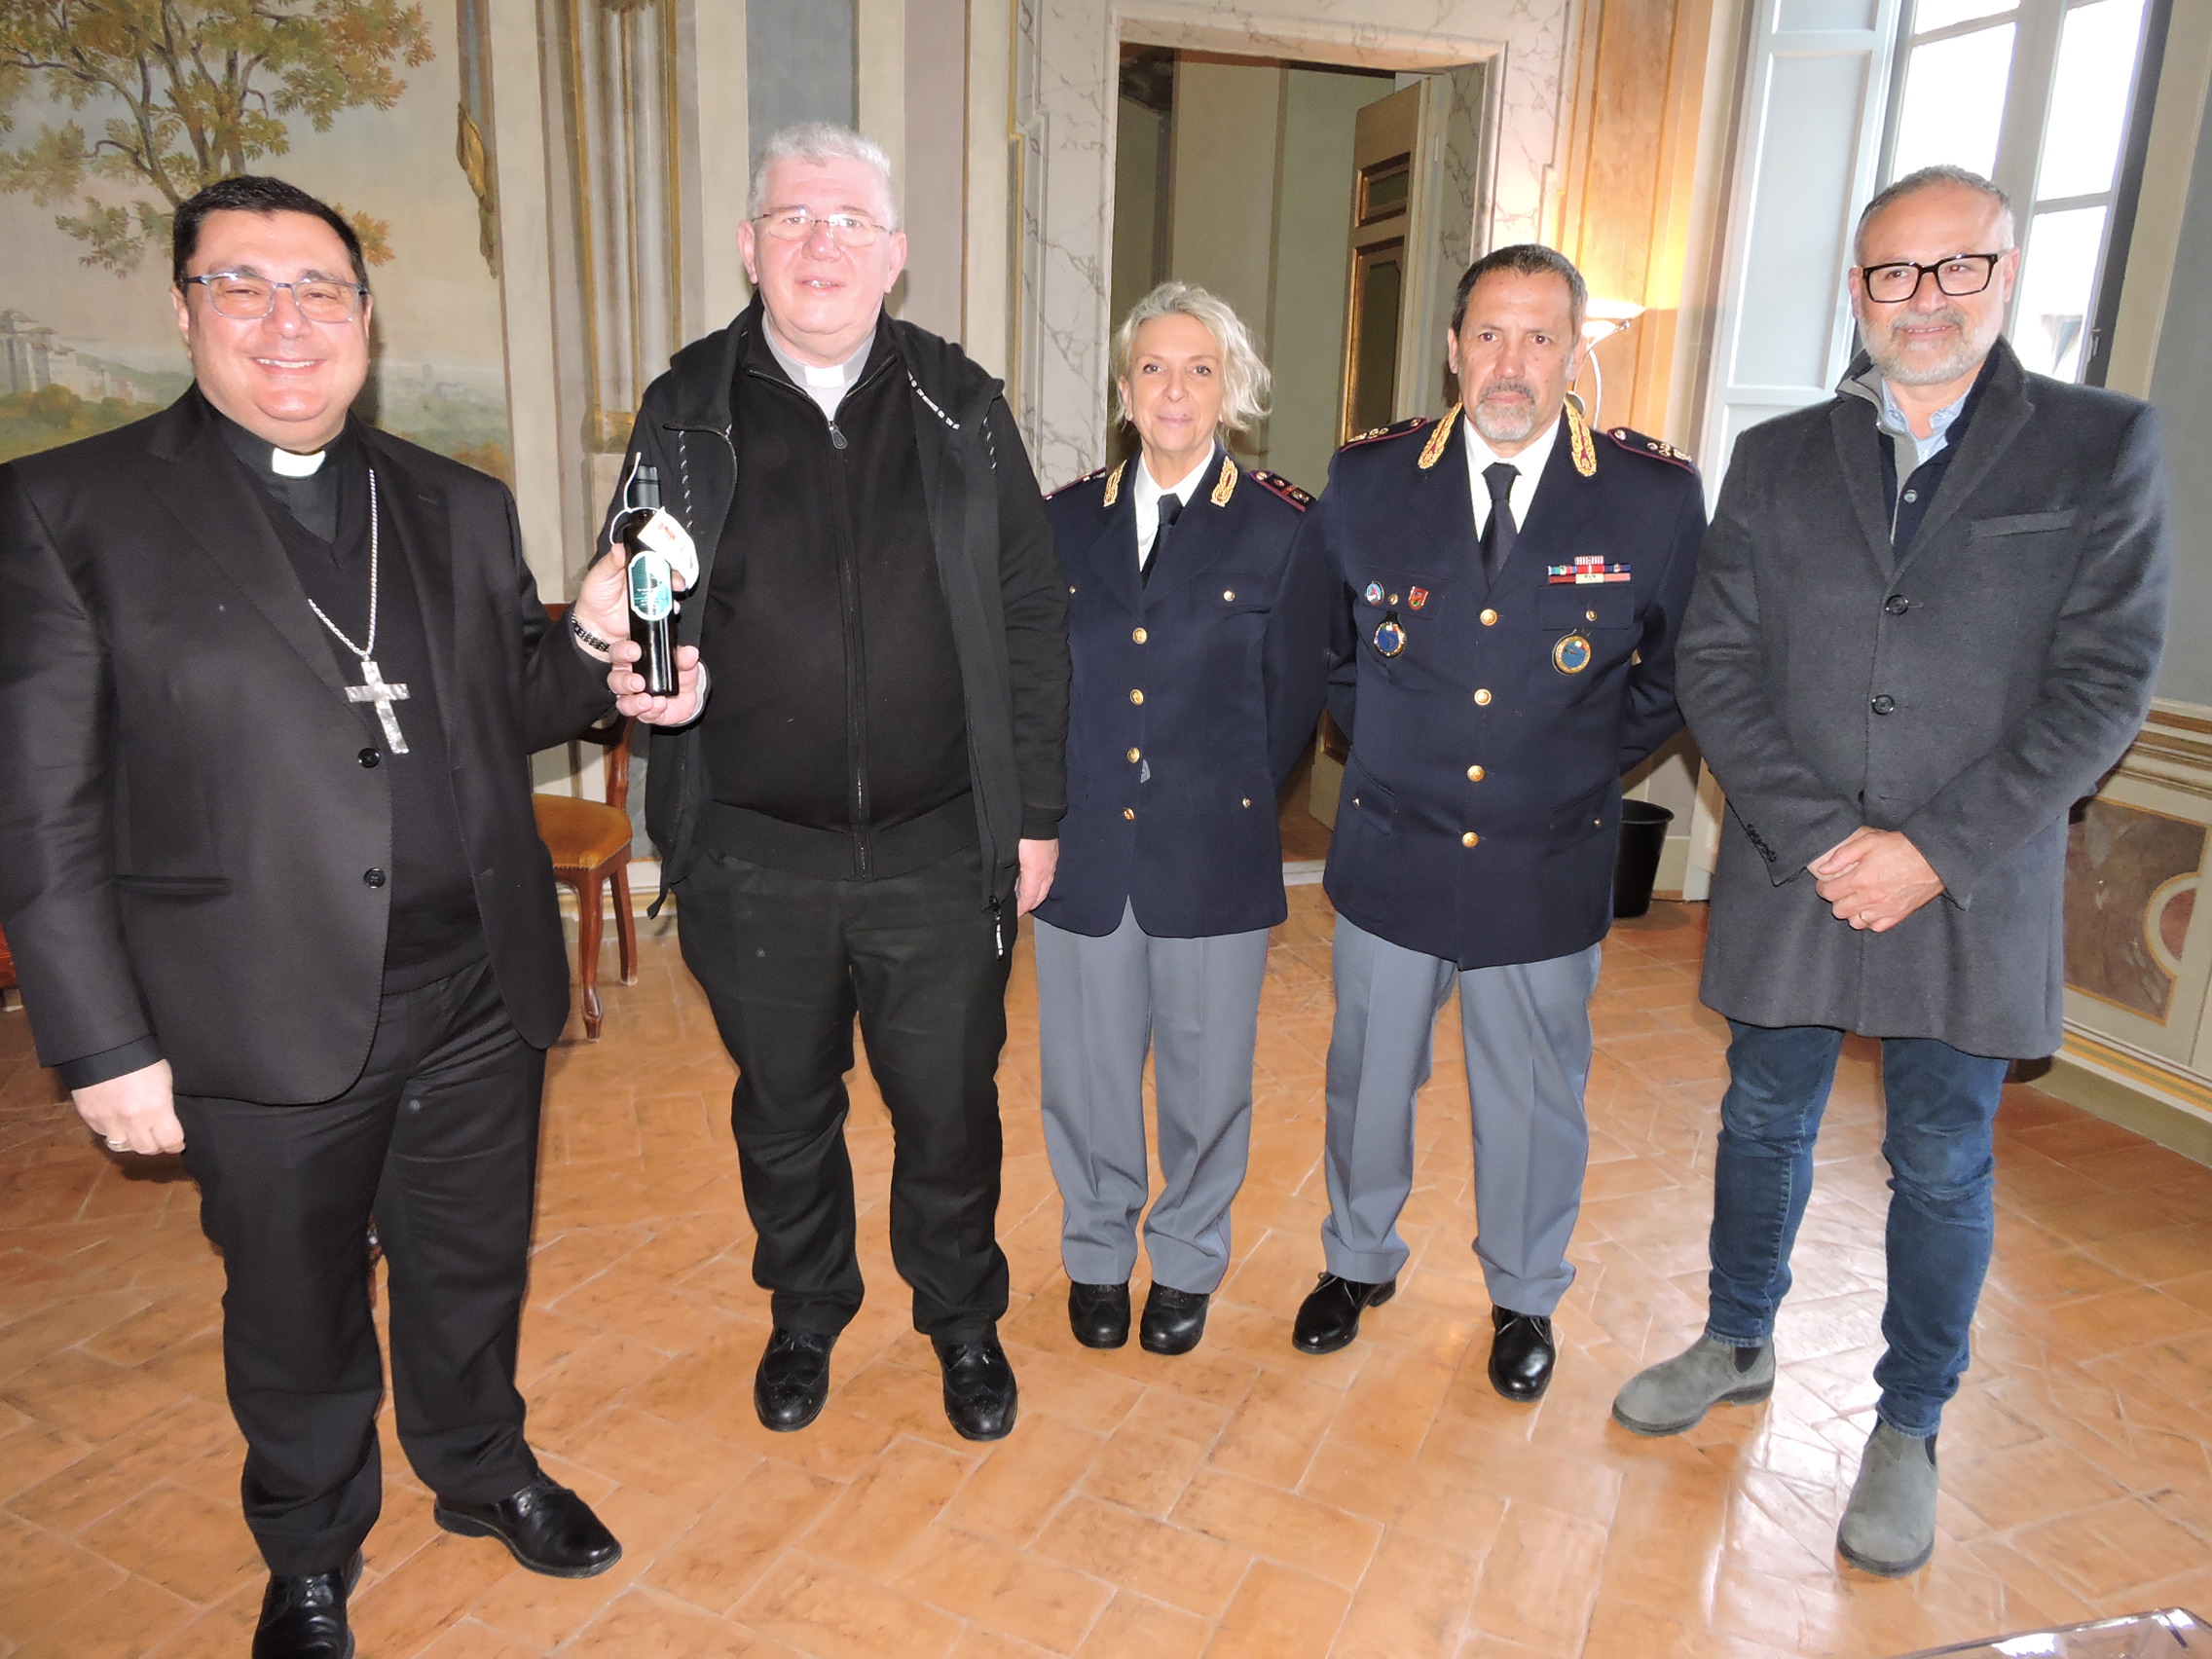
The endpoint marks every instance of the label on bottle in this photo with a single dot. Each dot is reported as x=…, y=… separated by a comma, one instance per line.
x=652, y=595
x=672, y=541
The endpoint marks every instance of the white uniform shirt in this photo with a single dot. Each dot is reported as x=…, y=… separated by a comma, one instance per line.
x=1148, y=495
x=1529, y=463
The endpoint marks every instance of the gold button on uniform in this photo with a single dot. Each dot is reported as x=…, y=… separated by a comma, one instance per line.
x=1139, y=636
x=1134, y=756
x=1247, y=800
x=1482, y=698
x=1474, y=774
x=1136, y=696
x=1589, y=616
x=1228, y=595
x=1469, y=839
x=1128, y=812
x=1490, y=619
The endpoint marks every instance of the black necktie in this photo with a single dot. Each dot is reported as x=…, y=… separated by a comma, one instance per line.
x=1500, y=535
x=1170, y=509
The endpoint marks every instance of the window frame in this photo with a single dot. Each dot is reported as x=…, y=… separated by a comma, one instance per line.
x=2031, y=80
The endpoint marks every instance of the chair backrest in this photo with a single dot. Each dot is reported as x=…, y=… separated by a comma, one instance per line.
x=611, y=734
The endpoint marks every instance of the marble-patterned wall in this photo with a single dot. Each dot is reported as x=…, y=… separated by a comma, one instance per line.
x=1066, y=82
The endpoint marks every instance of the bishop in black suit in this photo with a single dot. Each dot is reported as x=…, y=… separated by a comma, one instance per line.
x=270, y=680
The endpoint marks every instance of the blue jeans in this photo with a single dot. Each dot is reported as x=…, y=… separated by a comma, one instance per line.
x=1941, y=1106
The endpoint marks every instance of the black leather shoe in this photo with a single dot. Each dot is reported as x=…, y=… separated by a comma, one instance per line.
x=1522, y=1354
x=1329, y=1317
x=545, y=1526
x=1098, y=1314
x=793, y=1379
x=1173, y=1319
x=305, y=1617
x=979, y=1395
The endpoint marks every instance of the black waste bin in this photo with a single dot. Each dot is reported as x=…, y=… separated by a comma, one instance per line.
x=1636, y=865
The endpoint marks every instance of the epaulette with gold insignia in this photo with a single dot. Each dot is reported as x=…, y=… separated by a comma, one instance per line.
x=1399, y=430
x=1636, y=443
x=1276, y=484
x=1079, y=483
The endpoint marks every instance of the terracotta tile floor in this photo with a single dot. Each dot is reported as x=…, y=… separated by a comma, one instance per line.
x=1242, y=1501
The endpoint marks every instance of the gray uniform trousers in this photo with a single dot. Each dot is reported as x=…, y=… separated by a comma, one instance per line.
x=1527, y=1031
x=1100, y=1004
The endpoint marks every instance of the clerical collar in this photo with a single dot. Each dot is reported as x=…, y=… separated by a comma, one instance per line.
x=271, y=461
x=826, y=385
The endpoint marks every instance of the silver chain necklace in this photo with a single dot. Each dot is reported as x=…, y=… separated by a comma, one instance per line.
x=374, y=688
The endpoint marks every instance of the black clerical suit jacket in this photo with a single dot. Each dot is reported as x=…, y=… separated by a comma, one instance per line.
x=192, y=840
x=1194, y=692
x=1491, y=721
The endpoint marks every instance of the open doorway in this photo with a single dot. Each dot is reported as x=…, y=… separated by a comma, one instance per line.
x=1333, y=207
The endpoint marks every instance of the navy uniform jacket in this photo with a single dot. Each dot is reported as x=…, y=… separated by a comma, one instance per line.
x=1193, y=695
x=1482, y=798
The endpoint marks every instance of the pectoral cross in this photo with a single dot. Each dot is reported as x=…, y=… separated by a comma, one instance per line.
x=375, y=688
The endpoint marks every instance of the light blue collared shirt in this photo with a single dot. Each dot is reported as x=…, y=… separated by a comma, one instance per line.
x=1894, y=422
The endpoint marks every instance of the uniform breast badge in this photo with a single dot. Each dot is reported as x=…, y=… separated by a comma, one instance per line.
x=1372, y=593
x=1571, y=655
x=1389, y=636
x=1416, y=597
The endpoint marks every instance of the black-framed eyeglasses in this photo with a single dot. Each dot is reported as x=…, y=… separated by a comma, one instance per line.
x=796, y=224
x=248, y=299
x=1959, y=275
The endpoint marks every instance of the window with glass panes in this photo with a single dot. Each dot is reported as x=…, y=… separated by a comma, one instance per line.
x=2035, y=94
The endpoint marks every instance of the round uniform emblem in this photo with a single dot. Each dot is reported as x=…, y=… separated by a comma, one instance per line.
x=1390, y=637
x=1374, y=593
x=1571, y=655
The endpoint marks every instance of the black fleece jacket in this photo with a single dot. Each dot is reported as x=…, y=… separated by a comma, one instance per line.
x=997, y=571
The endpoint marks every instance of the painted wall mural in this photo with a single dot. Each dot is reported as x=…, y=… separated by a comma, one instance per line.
x=112, y=112
x=2131, y=878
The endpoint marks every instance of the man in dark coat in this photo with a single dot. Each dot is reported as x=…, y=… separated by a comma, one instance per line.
x=873, y=795
x=1510, y=584
x=270, y=679
x=1925, y=622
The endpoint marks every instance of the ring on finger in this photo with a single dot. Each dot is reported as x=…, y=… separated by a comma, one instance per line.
x=114, y=1145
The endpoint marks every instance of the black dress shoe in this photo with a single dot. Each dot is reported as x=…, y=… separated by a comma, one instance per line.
x=1522, y=1354
x=1329, y=1317
x=304, y=1617
x=545, y=1526
x=1173, y=1319
x=793, y=1379
x=979, y=1395
x=1098, y=1314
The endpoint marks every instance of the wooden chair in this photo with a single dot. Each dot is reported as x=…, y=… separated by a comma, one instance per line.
x=590, y=844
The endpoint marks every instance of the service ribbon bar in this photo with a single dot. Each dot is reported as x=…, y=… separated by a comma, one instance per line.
x=1586, y=569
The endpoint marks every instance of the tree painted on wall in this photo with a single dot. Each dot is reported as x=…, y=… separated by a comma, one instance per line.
x=205, y=89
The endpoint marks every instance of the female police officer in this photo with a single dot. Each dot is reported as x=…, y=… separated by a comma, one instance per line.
x=1197, y=630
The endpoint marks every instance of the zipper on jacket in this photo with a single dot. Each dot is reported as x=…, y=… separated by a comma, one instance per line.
x=849, y=596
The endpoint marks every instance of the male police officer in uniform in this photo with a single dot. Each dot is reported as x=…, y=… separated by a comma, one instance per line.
x=1504, y=650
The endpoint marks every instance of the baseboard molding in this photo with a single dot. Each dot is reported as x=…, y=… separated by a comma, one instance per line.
x=2158, y=1101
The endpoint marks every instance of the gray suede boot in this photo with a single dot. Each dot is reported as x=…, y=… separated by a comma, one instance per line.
x=1675, y=1394
x=1889, y=1526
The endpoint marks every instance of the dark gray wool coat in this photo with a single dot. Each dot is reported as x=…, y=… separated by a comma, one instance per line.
x=1967, y=695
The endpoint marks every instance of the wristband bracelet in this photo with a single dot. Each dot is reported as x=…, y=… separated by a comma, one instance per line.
x=586, y=638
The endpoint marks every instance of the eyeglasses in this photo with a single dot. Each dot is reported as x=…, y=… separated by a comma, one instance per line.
x=1959, y=275
x=796, y=224
x=249, y=299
